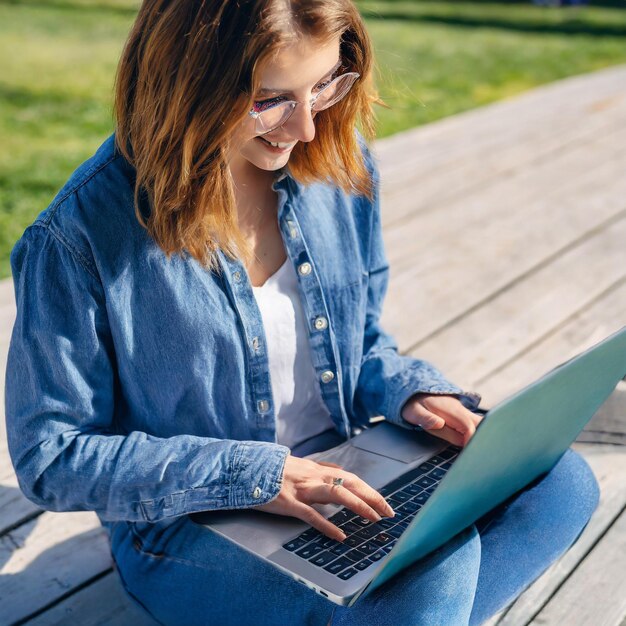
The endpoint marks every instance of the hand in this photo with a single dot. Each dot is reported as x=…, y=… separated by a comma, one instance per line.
x=442, y=416
x=307, y=482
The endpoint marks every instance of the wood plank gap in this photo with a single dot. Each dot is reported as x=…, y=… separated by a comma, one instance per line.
x=543, y=263
x=599, y=442
x=23, y=520
x=551, y=332
x=61, y=598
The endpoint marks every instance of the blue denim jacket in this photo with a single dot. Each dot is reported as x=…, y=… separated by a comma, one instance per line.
x=139, y=387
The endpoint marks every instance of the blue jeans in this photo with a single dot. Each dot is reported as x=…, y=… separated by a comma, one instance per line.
x=185, y=574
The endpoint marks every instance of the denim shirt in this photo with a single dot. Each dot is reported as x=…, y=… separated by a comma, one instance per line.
x=138, y=387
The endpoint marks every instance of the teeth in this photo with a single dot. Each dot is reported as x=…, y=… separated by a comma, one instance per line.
x=277, y=144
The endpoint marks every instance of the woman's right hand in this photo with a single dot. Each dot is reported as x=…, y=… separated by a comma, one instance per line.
x=307, y=482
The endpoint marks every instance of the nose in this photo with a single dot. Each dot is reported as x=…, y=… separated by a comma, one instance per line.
x=301, y=125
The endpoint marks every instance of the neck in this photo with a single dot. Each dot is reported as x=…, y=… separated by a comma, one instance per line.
x=256, y=200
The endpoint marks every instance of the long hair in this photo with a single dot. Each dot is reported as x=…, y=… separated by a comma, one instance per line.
x=187, y=78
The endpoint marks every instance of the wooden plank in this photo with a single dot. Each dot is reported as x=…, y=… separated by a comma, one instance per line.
x=609, y=466
x=472, y=149
x=596, y=592
x=7, y=318
x=564, y=103
x=501, y=329
x=581, y=331
x=44, y=559
x=102, y=602
x=454, y=270
x=484, y=166
x=529, y=191
x=14, y=507
x=609, y=423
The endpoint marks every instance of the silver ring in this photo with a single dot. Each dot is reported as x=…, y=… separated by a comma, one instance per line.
x=337, y=482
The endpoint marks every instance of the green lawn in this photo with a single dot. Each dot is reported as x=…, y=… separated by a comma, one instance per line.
x=435, y=58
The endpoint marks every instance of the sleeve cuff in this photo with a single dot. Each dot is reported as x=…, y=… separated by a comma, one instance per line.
x=256, y=475
x=422, y=378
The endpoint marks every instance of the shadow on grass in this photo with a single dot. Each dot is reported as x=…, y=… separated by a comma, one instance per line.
x=67, y=5
x=572, y=27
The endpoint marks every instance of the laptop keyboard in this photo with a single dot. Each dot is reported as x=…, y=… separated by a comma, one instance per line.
x=368, y=542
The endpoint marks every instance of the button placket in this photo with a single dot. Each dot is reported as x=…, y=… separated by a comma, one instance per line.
x=321, y=341
x=259, y=386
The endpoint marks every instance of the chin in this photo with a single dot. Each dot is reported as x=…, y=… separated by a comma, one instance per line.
x=270, y=165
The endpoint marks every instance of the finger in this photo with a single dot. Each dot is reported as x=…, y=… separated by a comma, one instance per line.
x=359, y=497
x=309, y=515
x=368, y=494
x=450, y=435
x=456, y=413
x=477, y=417
x=429, y=421
x=460, y=419
x=419, y=415
x=328, y=464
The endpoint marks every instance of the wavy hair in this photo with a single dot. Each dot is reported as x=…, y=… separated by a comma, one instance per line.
x=186, y=79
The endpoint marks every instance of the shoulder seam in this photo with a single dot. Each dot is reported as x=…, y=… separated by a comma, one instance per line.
x=78, y=256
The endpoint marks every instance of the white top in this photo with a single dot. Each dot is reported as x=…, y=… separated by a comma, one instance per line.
x=298, y=405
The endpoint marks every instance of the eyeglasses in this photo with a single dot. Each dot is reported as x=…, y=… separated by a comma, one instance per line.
x=270, y=114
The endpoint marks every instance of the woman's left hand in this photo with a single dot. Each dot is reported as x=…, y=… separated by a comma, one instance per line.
x=442, y=416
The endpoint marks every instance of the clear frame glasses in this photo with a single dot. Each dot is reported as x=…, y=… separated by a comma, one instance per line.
x=272, y=113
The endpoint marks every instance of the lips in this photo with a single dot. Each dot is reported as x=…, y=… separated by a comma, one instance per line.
x=282, y=147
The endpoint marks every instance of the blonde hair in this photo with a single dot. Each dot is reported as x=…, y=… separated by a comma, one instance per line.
x=185, y=81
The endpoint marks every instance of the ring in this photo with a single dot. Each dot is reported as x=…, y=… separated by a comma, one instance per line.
x=337, y=482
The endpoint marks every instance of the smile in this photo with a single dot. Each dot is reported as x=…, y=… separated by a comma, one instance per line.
x=278, y=145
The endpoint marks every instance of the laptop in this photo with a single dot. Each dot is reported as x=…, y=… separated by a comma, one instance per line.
x=435, y=489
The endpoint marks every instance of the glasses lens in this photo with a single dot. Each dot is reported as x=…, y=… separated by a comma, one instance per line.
x=274, y=117
x=334, y=92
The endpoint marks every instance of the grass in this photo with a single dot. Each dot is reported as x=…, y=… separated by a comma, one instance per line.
x=435, y=58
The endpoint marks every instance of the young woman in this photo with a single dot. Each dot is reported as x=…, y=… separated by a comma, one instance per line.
x=199, y=308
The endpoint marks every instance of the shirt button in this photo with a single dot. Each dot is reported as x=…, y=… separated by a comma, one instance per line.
x=263, y=406
x=304, y=269
x=256, y=493
x=237, y=276
x=327, y=376
x=293, y=233
x=256, y=344
x=320, y=323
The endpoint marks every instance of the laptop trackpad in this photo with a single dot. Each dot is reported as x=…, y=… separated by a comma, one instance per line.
x=398, y=443
x=382, y=453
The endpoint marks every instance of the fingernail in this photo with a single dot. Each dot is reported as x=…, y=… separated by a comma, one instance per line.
x=342, y=536
x=391, y=512
x=377, y=517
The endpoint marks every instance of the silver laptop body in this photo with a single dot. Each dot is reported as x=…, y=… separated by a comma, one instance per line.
x=520, y=439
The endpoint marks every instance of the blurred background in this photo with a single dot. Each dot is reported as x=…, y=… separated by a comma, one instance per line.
x=435, y=58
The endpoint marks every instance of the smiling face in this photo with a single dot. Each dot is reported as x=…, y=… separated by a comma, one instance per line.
x=296, y=73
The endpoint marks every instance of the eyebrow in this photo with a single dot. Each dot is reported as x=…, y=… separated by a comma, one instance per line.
x=267, y=91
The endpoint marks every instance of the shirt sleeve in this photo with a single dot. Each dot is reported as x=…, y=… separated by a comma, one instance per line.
x=387, y=379
x=63, y=432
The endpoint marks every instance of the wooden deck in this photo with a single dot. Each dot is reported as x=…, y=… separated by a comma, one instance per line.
x=506, y=234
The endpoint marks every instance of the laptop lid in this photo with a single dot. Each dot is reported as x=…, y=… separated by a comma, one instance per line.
x=522, y=438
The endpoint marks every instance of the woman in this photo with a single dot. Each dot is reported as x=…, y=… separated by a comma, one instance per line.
x=199, y=308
